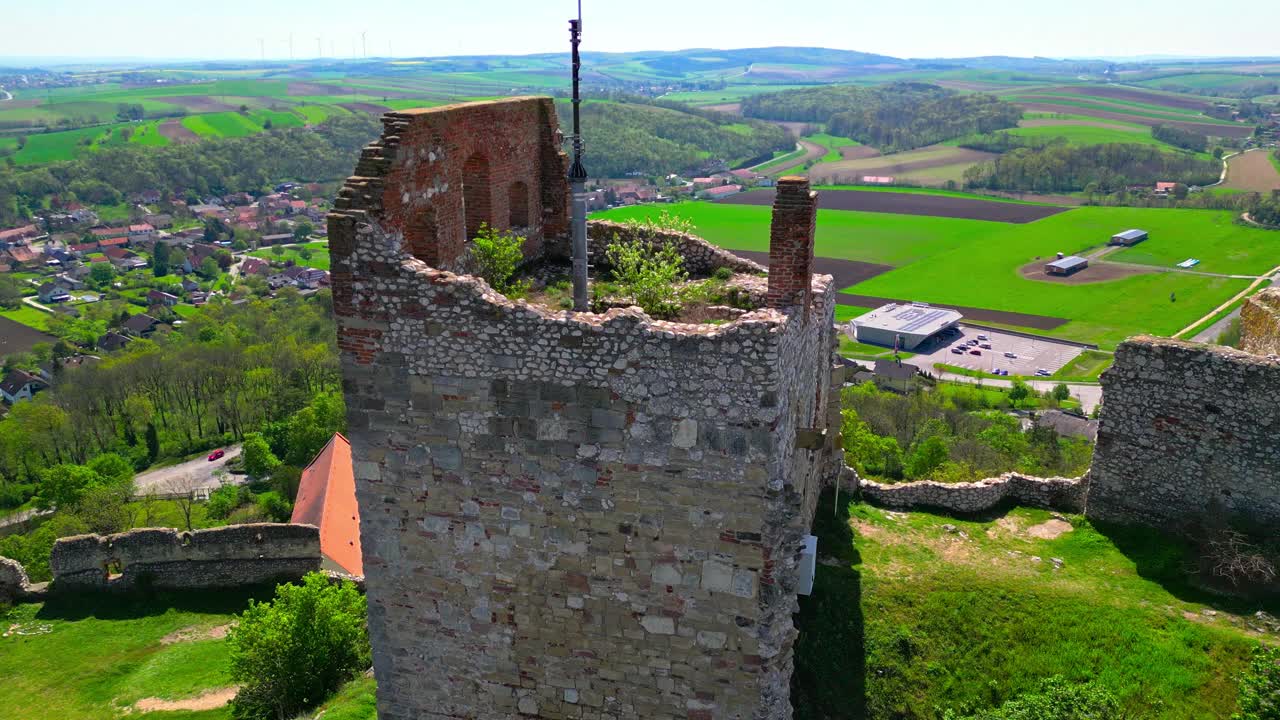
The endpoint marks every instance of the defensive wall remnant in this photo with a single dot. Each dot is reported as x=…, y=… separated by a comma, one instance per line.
x=569, y=514
x=164, y=558
x=1260, y=323
x=1064, y=494
x=1188, y=431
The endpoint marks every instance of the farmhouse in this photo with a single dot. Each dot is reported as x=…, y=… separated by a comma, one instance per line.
x=895, y=375
x=160, y=297
x=112, y=341
x=903, y=326
x=723, y=191
x=140, y=325
x=1066, y=265
x=52, y=293
x=19, y=385
x=22, y=234
x=1128, y=237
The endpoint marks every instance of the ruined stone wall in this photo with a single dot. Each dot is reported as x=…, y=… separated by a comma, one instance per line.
x=574, y=515
x=1063, y=494
x=437, y=173
x=1260, y=323
x=165, y=558
x=1187, y=431
x=13, y=579
x=700, y=256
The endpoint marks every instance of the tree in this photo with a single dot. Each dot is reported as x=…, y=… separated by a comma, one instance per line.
x=273, y=505
x=650, y=274
x=926, y=457
x=292, y=653
x=1061, y=393
x=182, y=489
x=305, y=253
x=496, y=255
x=1019, y=392
x=102, y=273
x=105, y=508
x=11, y=291
x=277, y=250
x=112, y=468
x=259, y=461
x=160, y=259
x=1260, y=686
x=153, y=443
x=62, y=486
x=209, y=268
x=302, y=231
x=223, y=501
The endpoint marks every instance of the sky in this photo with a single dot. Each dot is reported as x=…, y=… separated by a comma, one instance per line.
x=922, y=28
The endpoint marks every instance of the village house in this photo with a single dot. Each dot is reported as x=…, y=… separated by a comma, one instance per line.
x=52, y=293
x=189, y=285
x=159, y=297
x=124, y=259
x=18, y=256
x=724, y=191
x=142, y=231
x=276, y=239
x=707, y=182
x=327, y=499
x=255, y=266
x=49, y=371
x=112, y=341
x=113, y=242
x=140, y=325
x=20, y=385
x=69, y=283
x=19, y=235
x=159, y=222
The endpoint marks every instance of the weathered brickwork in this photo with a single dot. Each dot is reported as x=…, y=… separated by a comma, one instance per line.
x=1260, y=323
x=795, y=217
x=572, y=515
x=1187, y=431
x=165, y=558
x=700, y=256
x=1064, y=494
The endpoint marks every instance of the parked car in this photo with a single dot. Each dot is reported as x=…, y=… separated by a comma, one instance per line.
x=973, y=342
x=985, y=346
x=975, y=352
x=1011, y=355
x=957, y=351
x=1042, y=372
x=983, y=337
x=216, y=455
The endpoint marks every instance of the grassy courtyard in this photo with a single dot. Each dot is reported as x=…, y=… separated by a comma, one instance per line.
x=909, y=619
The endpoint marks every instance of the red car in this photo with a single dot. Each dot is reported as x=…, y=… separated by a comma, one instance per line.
x=216, y=455
x=975, y=352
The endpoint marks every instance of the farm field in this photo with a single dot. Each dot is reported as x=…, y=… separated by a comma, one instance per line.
x=915, y=613
x=1078, y=132
x=833, y=145
x=934, y=164
x=976, y=263
x=1255, y=171
x=22, y=329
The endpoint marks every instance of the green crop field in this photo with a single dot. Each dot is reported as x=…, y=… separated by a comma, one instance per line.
x=1088, y=135
x=1205, y=81
x=224, y=124
x=28, y=316
x=832, y=144
x=976, y=263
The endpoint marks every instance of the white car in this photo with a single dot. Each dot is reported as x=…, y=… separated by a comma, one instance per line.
x=1011, y=356
x=1042, y=372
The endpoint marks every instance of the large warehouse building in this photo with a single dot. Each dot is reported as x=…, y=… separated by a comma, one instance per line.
x=903, y=326
x=1129, y=237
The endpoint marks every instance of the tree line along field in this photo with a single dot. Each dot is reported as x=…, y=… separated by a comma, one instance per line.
x=976, y=263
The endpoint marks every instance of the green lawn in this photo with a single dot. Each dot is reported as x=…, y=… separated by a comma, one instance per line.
x=1088, y=365
x=95, y=656
x=319, y=255
x=28, y=316
x=913, y=620
x=976, y=263
x=929, y=191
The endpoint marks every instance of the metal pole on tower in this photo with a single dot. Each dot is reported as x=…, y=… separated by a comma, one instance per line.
x=364, y=45
x=578, y=176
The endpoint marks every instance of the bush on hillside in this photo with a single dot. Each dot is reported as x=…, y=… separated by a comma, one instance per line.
x=1260, y=686
x=496, y=254
x=290, y=654
x=649, y=274
x=1056, y=699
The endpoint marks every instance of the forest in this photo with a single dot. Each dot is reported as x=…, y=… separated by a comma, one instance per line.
x=894, y=117
x=214, y=166
x=1066, y=168
x=1178, y=137
x=630, y=138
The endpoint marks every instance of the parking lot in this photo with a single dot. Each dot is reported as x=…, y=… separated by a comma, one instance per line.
x=1031, y=354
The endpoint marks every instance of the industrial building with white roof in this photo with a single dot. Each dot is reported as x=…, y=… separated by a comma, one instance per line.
x=904, y=326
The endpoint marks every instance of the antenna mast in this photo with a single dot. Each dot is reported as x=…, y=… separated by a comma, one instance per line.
x=578, y=176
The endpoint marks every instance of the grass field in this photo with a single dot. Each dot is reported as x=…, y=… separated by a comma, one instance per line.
x=913, y=620
x=1087, y=135
x=319, y=255
x=833, y=145
x=224, y=124
x=28, y=316
x=976, y=263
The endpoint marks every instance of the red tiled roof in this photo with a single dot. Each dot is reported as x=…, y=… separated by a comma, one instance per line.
x=113, y=241
x=144, y=228
x=724, y=190
x=22, y=253
x=109, y=232
x=327, y=499
x=19, y=233
x=1165, y=185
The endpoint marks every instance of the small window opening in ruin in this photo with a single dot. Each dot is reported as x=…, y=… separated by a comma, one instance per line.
x=114, y=569
x=476, y=198
x=518, y=204
x=420, y=236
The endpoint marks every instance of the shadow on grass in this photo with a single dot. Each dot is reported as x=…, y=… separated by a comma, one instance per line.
x=138, y=604
x=830, y=662
x=1171, y=562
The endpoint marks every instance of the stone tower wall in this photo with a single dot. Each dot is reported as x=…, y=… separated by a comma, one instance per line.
x=1187, y=431
x=573, y=515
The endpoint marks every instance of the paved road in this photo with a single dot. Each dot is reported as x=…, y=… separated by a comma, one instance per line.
x=1211, y=333
x=36, y=305
x=190, y=475
x=21, y=517
x=1090, y=396
x=7, y=95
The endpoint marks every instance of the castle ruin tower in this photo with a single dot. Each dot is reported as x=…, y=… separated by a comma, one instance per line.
x=568, y=515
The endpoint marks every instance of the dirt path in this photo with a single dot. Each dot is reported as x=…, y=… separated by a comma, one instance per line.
x=177, y=132
x=812, y=151
x=1265, y=278
x=1252, y=170
x=209, y=700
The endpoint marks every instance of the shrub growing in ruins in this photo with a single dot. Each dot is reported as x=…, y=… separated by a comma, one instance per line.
x=496, y=254
x=1260, y=686
x=650, y=275
x=1056, y=699
x=290, y=654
